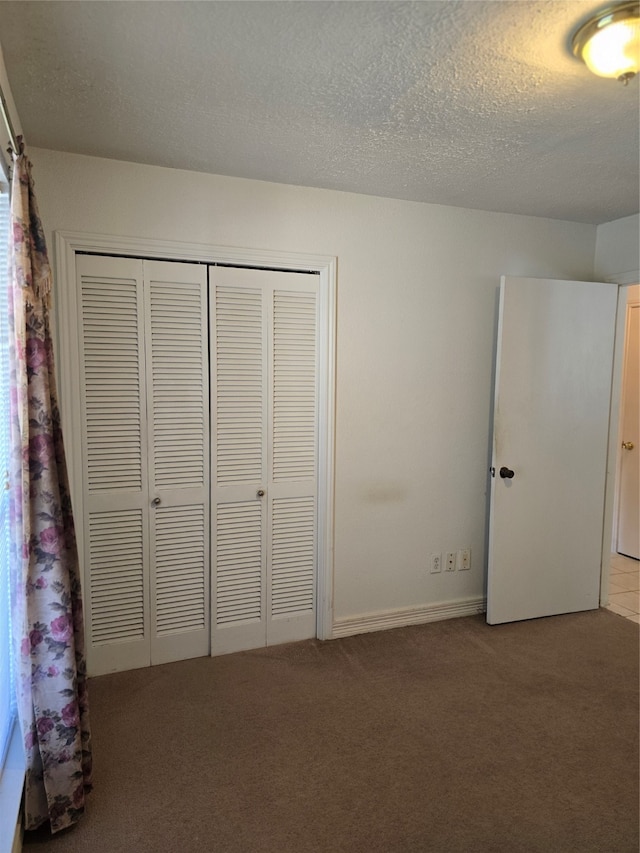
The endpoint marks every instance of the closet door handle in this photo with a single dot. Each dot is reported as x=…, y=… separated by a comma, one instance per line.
x=156, y=502
x=260, y=493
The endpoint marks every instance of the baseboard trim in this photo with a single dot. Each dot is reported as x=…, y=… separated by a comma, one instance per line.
x=407, y=616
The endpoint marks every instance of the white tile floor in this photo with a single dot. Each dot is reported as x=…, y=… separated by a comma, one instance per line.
x=624, y=587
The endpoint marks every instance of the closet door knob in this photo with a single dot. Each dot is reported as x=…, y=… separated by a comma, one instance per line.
x=506, y=473
x=156, y=502
x=260, y=493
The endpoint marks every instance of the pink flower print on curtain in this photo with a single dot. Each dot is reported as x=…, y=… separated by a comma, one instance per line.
x=46, y=603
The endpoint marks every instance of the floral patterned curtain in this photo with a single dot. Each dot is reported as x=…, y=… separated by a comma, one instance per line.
x=46, y=605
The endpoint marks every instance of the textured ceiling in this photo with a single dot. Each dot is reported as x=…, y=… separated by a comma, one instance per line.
x=463, y=102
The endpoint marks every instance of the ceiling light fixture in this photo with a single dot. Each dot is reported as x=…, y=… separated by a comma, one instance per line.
x=609, y=43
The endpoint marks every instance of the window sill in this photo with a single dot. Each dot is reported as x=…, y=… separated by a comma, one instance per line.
x=11, y=785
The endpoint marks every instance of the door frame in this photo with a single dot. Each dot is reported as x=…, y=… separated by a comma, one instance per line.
x=624, y=317
x=610, y=496
x=69, y=243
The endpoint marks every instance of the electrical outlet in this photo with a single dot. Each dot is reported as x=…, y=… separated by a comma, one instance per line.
x=464, y=559
x=450, y=562
x=436, y=563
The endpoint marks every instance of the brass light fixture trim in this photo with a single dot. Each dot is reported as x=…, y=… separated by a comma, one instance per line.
x=609, y=42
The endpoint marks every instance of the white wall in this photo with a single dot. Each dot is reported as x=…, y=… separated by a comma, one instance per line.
x=618, y=249
x=417, y=296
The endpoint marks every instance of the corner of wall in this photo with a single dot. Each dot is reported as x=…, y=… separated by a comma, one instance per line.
x=617, y=255
x=9, y=106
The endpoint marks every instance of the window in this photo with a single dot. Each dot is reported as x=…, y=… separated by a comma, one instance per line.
x=7, y=704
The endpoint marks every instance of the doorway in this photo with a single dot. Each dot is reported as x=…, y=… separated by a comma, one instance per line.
x=624, y=577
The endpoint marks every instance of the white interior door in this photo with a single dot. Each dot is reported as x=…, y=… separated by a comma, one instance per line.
x=178, y=422
x=628, y=541
x=115, y=508
x=550, y=439
x=264, y=350
x=144, y=401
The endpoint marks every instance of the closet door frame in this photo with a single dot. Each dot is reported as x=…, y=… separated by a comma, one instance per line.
x=70, y=243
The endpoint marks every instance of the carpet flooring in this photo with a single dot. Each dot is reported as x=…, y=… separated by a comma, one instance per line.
x=451, y=737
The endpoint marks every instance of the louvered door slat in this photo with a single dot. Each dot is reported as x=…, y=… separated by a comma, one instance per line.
x=239, y=562
x=294, y=385
x=293, y=556
x=178, y=383
x=180, y=568
x=239, y=397
x=110, y=320
x=116, y=589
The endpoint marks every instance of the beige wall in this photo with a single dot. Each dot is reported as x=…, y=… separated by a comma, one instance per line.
x=618, y=249
x=417, y=301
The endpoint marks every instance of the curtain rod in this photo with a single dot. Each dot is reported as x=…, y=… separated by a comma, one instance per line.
x=7, y=120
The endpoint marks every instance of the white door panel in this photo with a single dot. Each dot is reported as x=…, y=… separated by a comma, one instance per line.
x=114, y=444
x=291, y=545
x=239, y=581
x=179, y=581
x=264, y=347
x=238, y=349
x=178, y=406
x=144, y=386
x=292, y=569
x=551, y=424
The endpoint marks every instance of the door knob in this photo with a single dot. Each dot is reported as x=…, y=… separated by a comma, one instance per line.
x=628, y=445
x=156, y=502
x=507, y=473
x=260, y=493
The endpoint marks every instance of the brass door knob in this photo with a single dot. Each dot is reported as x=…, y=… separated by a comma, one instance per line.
x=627, y=445
x=260, y=493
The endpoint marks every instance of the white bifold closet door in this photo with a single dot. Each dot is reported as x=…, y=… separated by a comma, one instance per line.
x=145, y=414
x=264, y=353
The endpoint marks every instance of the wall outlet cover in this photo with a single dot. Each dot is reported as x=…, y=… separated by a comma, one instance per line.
x=450, y=561
x=464, y=559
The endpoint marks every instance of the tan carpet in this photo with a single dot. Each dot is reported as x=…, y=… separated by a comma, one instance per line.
x=453, y=736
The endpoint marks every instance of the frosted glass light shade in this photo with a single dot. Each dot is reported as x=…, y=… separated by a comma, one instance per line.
x=609, y=44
